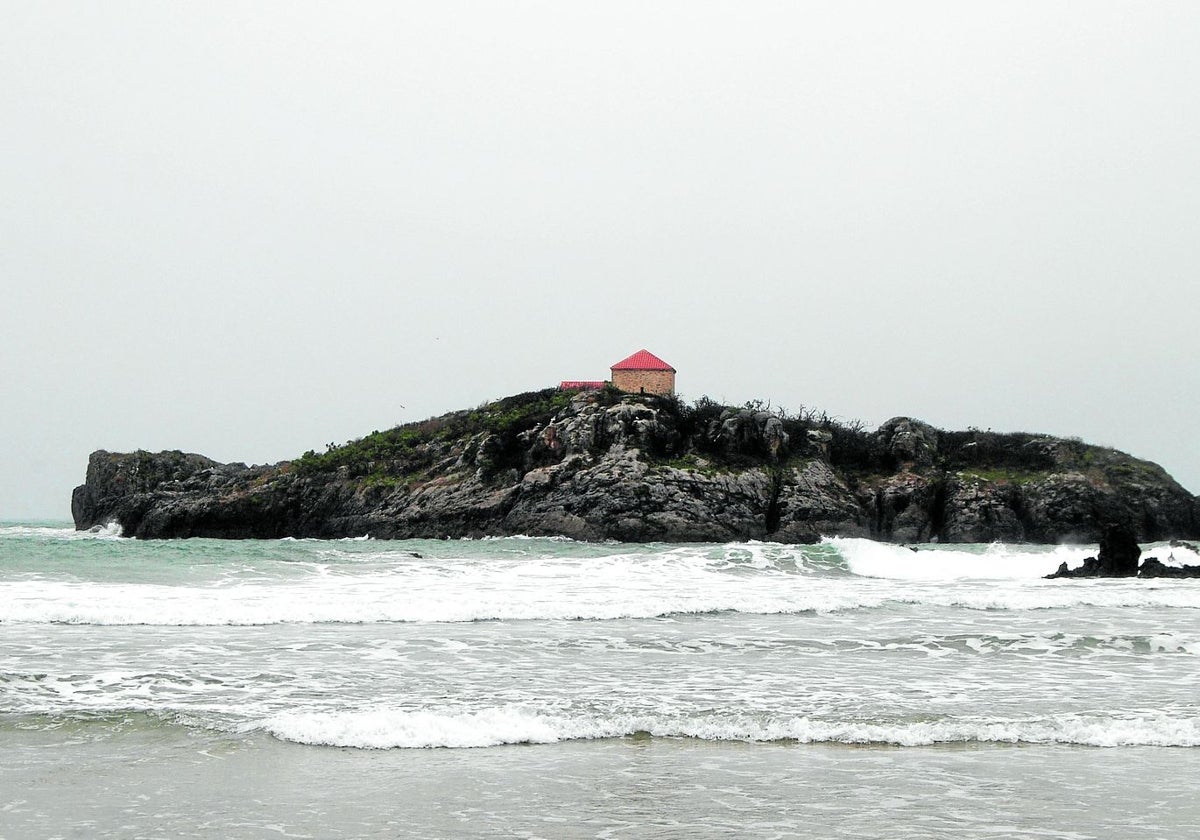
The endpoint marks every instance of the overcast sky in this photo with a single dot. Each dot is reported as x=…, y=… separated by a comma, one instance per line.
x=251, y=229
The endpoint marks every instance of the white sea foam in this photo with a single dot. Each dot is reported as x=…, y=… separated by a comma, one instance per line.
x=380, y=599
x=111, y=531
x=1183, y=554
x=391, y=586
x=421, y=729
x=389, y=729
x=528, y=537
x=997, y=561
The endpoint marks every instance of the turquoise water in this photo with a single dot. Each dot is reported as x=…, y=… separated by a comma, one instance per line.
x=547, y=688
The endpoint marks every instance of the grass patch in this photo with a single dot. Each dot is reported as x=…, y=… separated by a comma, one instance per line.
x=692, y=463
x=397, y=455
x=1003, y=475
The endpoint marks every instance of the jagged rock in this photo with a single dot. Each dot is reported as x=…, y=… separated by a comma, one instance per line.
x=635, y=467
x=820, y=441
x=975, y=508
x=812, y=501
x=1119, y=556
x=909, y=441
x=1119, y=552
x=1152, y=567
x=747, y=431
x=903, y=507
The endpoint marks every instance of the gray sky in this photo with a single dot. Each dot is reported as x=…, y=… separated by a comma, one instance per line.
x=248, y=230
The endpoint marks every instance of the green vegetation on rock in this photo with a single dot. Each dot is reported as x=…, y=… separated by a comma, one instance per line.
x=402, y=454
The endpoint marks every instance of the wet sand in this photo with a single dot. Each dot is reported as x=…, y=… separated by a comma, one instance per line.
x=143, y=778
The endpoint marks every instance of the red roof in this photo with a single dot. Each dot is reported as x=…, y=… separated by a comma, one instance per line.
x=643, y=360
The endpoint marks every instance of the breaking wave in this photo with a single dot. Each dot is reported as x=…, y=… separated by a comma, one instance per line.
x=183, y=583
x=111, y=531
x=396, y=729
x=378, y=600
x=678, y=583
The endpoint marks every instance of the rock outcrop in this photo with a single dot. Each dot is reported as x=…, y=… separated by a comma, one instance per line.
x=1152, y=567
x=601, y=465
x=1120, y=556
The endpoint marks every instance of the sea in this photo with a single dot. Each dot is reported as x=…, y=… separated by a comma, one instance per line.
x=545, y=688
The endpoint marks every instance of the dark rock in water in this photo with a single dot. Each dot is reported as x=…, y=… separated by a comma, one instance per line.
x=1119, y=556
x=1089, y=569
x=1119, y=552
x=602, y=465
x=1152, y=567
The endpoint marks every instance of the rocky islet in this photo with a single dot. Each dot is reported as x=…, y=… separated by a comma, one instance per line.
x=604, y=465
